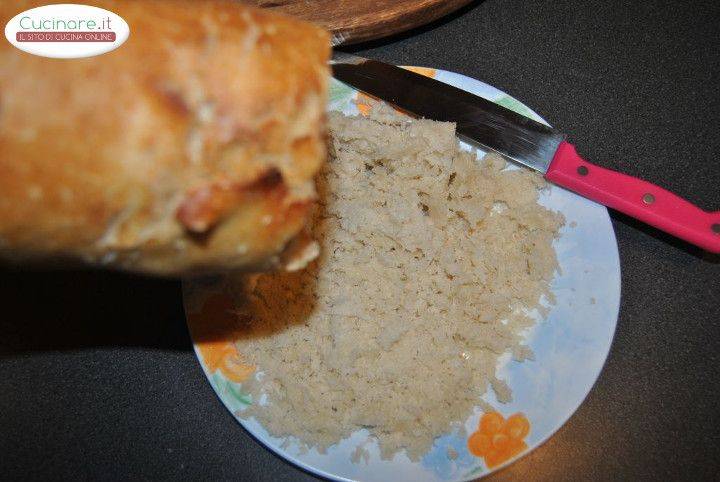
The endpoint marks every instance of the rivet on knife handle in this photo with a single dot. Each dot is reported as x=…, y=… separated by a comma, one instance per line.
x=637, y=198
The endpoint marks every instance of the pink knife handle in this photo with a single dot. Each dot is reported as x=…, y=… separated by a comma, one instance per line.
x=635, y=197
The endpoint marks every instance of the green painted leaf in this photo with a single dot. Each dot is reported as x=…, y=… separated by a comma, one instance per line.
x=515, y=106
x=218, y=382
x=239, y=395
x=230, y=392
x=476, y=471
x=339, y=92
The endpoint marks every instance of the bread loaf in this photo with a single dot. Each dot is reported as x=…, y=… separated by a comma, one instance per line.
x=191, y=148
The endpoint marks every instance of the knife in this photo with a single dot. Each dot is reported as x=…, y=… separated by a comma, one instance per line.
x=531, y=144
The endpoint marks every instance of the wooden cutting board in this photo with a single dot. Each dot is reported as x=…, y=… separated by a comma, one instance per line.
x=353, y=21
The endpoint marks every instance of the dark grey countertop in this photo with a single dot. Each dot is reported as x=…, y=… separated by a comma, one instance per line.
x=97, y=379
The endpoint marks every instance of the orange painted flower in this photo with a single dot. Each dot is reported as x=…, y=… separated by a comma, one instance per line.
x=364, y=103
x=213, y=329
x=498, y=440
x=224, y=356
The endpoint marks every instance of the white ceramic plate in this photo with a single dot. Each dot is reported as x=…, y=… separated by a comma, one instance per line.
x=570, y=346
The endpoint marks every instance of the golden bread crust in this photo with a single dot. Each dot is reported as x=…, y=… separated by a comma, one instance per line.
x=192, y=147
